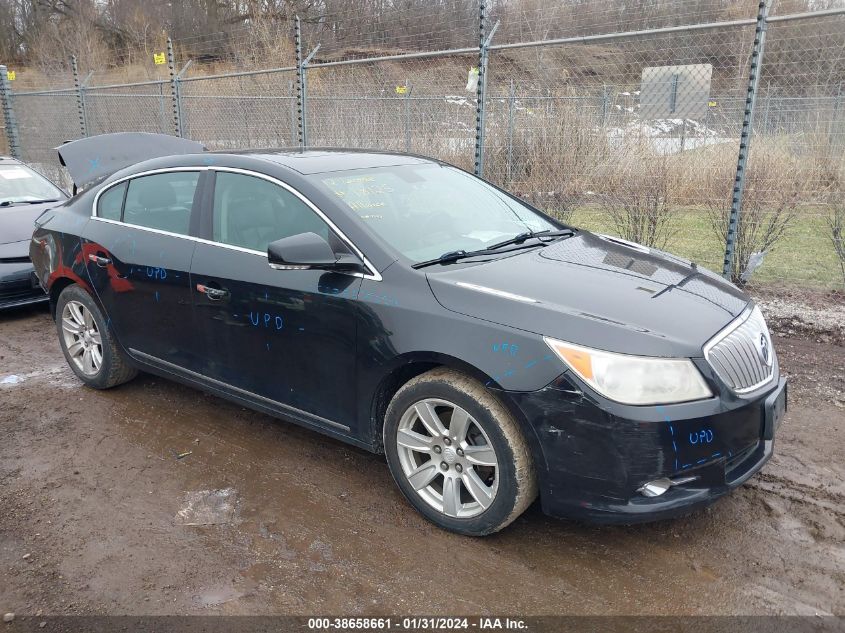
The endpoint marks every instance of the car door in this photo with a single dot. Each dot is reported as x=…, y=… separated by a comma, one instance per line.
x=138, y=254
x=285, y=336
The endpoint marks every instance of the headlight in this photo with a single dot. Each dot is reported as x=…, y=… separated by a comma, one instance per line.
x=633, y=379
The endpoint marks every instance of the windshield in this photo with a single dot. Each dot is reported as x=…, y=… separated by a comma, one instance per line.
x=19, y=184
x=424, y=211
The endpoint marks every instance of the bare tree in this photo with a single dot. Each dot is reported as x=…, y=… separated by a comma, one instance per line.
x=773, y=188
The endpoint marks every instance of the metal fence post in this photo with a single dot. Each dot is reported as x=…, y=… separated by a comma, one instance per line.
x=481, y=88
x=407, y=116
x=757, y=51
x=9, y=114
x=174, y=90
x=511, y=107
x=183, y=128
x=605, y=104
x=80, y=96
x=302, y=83
x=836, y=124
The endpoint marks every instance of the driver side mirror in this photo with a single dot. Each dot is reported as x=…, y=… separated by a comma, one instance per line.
x=309, y=250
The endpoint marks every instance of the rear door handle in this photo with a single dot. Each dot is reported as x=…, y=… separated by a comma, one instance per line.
x=214, y=294
x=102, y=262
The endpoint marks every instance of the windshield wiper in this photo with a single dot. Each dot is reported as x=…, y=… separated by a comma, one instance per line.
x=519, y=239
x=453, y=256
x=9, y=203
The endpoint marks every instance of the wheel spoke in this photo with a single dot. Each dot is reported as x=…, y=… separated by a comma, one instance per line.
x=89, y=320
x=69, y=325
x=87, y=364
x=413, y=440
x=480, y=455
x=96, y=357
x=451, y=496
x=423, y=475
x=96, y=338
x=75, y=349
x=76, y=313
x=480, y=491
x=459, y=424
x=428, y=416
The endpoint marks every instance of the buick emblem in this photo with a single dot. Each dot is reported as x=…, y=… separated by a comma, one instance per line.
x=763, y=350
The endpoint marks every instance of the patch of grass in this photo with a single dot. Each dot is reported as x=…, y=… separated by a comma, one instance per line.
x=804, y=257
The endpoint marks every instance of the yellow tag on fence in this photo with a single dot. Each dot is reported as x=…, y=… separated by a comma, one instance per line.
x=711, y=104
x=400, y=90
x=10, y=74
x=159, y=59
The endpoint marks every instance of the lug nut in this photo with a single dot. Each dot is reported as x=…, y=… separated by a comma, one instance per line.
x=459, y=468
x=447, y=441
x=460, y=452
x=438, y=450
x=444, y=466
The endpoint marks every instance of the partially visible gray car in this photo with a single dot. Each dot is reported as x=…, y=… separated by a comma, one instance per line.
x=24, y=195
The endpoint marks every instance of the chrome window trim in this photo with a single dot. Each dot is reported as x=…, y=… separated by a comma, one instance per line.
x=373, y=275
x=724, y=332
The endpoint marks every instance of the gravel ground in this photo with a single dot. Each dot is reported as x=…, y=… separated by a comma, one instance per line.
x=101, y=493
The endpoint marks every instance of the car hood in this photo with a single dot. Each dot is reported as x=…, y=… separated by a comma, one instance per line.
x=18, y=222
x=599, y=292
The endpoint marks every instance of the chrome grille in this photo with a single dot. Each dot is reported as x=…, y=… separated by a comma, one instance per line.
x=742, y=354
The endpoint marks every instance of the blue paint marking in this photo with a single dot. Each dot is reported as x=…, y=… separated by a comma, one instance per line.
x=93, y=163
x=266, y=319
x=156, y=296
x=154, y=272
x=506, y=348
x=268, y=347
x=208, y=160
x=511, y=372
x=668, y=420
x=302, y=329
x=702, y=436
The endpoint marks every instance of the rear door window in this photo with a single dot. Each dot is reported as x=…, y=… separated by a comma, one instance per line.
x=162, y=201
x=111, y=203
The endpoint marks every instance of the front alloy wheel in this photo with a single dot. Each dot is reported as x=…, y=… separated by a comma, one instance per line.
x=447, y=458
x=457, y=454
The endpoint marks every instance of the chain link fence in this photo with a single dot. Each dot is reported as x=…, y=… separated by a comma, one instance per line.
x=634, y=133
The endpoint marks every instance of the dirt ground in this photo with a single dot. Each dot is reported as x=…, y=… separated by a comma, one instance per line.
x=91, y=484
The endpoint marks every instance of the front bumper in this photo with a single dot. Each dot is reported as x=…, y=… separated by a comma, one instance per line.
x=19, y=285
x=596, y=455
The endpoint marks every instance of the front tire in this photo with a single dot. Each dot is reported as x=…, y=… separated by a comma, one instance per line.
x=87, y=342
x=457, y=454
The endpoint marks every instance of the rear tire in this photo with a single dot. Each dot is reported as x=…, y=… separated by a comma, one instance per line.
x=457, y=454
x=88, y=343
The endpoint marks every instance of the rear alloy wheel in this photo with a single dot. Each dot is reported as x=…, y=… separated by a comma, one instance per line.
x=457, y=454
x=82, y=338
x=87, y=342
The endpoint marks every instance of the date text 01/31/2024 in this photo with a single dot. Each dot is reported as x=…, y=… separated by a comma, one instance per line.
x=415, y=624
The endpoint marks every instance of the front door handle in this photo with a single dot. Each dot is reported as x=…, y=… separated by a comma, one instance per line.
x=214, y=294
x=102, y=262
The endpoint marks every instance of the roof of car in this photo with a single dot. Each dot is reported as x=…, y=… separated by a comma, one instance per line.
x=321, y=160
x=9, y=160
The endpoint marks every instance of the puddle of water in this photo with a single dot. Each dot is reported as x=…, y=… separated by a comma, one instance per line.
x=208, y=507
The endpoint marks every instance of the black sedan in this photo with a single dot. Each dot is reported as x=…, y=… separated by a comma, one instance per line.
x=407, y=307
x=24, y=195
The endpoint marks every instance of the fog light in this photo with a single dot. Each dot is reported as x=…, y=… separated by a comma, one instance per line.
x=655, y=488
